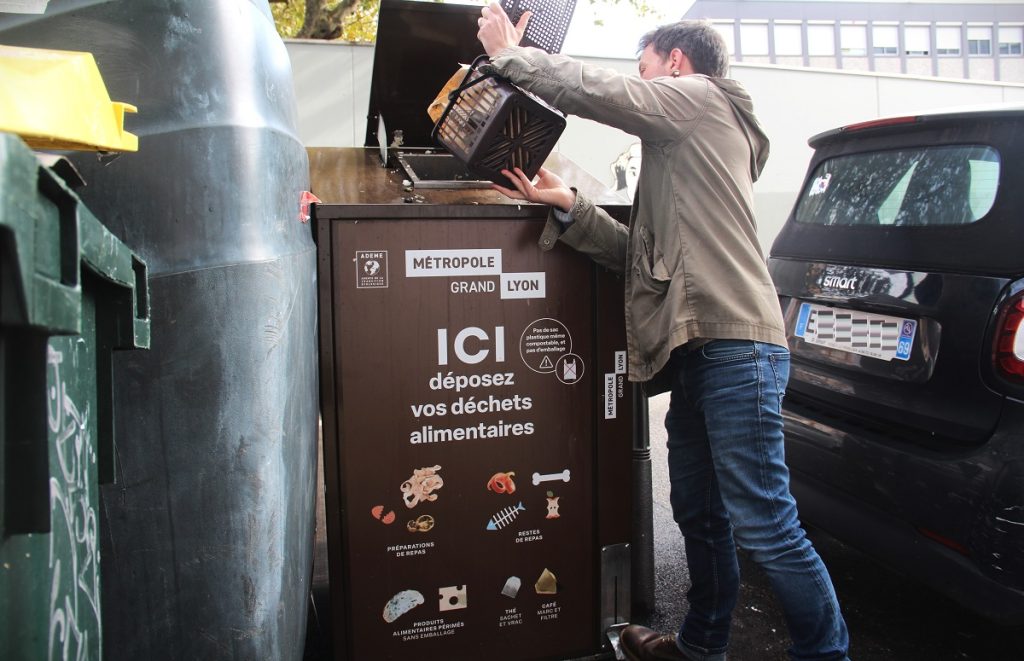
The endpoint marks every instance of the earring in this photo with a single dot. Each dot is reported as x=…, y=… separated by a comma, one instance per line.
x=675, y=73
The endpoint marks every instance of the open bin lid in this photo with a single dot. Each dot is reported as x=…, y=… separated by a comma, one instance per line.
x=419, y=46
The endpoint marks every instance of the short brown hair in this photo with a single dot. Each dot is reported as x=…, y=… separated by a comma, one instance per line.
x=698, y=40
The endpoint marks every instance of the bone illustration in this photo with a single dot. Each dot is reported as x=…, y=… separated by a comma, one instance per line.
x=563, y=476
x=504, y=517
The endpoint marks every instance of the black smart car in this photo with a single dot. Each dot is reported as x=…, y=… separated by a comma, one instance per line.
x=901, y=277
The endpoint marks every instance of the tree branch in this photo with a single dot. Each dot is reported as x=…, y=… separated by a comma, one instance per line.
x=323, y=23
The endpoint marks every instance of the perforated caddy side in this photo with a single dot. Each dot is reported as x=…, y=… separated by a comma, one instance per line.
x=548, y=24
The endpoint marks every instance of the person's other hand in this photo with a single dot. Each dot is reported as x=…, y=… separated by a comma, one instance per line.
x=547, y=189
x=496, y=30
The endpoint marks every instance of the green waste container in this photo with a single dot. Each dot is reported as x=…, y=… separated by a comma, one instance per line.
x=70, y=293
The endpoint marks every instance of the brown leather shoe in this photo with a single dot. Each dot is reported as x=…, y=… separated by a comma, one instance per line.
x=643, y=644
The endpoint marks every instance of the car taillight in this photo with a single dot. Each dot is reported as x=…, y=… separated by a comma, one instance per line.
x=877, y=123
x=1008, y=357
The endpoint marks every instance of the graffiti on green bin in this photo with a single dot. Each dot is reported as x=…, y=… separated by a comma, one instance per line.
x=74, y=543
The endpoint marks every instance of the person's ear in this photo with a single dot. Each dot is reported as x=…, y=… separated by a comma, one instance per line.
x=680, y=64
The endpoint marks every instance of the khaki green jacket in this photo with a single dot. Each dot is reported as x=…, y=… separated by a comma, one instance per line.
x=692, y=262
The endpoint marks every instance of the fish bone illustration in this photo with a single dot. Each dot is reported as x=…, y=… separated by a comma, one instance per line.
x=505, y=516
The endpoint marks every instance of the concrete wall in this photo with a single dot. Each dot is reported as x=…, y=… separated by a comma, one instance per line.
x=982, y=68
x=919, y=66
x=951, y=67
x=1012, y=68
x=332, y=83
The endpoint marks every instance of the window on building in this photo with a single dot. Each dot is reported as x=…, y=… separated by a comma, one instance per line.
x=1010, y=40
x=726, y=29
x=754, y=38
x=979, y=40
x=853, y=40
x=821, y=39
x=788, y=39
x=917, y=40
x=885, y=39
x=947, y=40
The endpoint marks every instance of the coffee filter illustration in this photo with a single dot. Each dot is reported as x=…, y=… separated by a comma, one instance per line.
x=547, y=583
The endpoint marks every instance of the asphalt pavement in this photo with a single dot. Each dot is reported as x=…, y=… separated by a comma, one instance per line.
x=890, y=617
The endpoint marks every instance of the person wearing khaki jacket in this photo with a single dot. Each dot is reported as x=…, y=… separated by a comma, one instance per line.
x=702, y=317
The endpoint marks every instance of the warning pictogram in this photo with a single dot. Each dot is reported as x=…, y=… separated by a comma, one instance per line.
x=543, y=343
x=569, y=368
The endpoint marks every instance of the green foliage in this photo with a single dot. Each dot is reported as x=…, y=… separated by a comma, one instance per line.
x=361, y=24
x=356, y=20
x=288, y=16
x=350, y=20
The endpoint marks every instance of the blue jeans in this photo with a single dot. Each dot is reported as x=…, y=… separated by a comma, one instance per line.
x=729, y=487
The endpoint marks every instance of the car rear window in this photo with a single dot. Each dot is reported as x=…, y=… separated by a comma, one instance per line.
x=922, y=186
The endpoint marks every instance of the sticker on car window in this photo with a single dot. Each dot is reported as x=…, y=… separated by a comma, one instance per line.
x=874, y=335
x=820, y=185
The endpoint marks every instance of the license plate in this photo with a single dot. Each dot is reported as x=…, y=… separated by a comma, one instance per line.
x=875, y=335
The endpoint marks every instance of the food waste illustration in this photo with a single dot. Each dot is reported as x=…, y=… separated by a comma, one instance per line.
x=423, y=486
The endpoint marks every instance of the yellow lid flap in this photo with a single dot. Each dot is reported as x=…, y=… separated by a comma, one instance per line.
x=57, y=100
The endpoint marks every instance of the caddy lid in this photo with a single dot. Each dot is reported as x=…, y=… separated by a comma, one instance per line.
x=419, y=46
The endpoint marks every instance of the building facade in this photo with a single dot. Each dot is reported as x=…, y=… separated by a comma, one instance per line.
x=969, y=40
